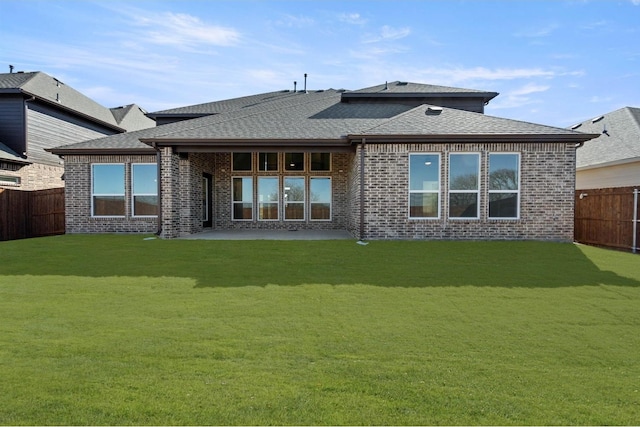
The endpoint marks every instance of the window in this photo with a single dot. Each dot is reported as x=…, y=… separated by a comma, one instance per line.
x=294, y=198
x=107, y=190
x=9, y=180
x=144, y=189
x=424, y=186
x=268, y=198
x=294, y=161
x=243, y=198
x=320, y=189
x=241, y=162
x=320, y=161
x=464, y=185
x=268, y=161
x=504, y=185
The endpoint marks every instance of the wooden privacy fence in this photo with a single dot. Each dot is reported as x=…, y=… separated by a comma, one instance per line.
x=26, y=214
x=608, y=217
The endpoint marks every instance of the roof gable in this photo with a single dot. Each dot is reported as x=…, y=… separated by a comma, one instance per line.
x=618, y=140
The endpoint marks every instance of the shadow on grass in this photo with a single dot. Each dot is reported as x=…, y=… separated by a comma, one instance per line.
x=259, y=263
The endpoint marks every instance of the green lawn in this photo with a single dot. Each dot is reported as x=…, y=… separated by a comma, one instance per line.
x=121, y=330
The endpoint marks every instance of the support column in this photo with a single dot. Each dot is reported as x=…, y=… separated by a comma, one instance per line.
x=170, y=180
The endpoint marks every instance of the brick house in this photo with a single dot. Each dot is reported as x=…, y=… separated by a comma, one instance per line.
x=38, y=112
x=395, y=161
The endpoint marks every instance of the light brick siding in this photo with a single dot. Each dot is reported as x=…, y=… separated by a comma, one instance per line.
x=546, y=194
x=547, y=179
x=33, y=177
x=78, y=197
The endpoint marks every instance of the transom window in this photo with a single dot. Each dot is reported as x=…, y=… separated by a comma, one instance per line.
x=267, y=161
x=107, y=189
x=464, y=185
x=424, y=186
x=242, y=162
x=320, y=161
x=504, y=185
x=294, y=161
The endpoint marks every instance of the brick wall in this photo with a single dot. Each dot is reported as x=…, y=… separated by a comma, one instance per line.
x=78, y=198
x=547, y=179
x=33, y=177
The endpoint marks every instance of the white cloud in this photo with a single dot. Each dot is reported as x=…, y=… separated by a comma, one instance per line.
x=352, y=18
x=180, y=29
x=636, y=2
x=292, y=21
x=388, y=33
x=538, y=31
x=528, y=89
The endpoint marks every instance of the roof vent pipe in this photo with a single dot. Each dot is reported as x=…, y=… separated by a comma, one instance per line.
x=10, y=69
x=295, y=84
x=305, y=82
x=386, y=85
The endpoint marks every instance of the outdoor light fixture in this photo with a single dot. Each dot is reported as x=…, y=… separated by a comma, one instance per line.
x=583, y=195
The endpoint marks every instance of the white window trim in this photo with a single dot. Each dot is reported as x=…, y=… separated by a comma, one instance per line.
x=517, y=192
x=124, y=191
x=476, y=191
x=258, y=203
x=303, y=202
x=233, y=202
x=311, y=202
x=133, y=194
x=438, y=192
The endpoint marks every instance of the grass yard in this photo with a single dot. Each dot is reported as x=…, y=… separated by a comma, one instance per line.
x=111, y=329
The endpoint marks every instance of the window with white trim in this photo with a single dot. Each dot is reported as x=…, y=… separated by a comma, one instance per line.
x=504, y=185
x=144, y=189
x=424, y=186
x=107, y=190
x=294, y=198
x=242, y=198
x=268, y=196
x=464, y=185
x=320, y=198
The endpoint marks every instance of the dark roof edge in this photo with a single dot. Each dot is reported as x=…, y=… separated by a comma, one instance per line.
x=484, y=95
x=61, y=151
x=446, y=138
x=193, y=115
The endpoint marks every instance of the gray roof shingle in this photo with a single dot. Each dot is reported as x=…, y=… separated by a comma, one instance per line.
x=621, y=142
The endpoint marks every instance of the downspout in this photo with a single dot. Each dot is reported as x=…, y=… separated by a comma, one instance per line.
x=362, y=207
x=159, y=182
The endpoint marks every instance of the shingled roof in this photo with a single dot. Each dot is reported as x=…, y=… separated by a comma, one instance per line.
x=53, y=91
x=320, y=119
x=618, y=141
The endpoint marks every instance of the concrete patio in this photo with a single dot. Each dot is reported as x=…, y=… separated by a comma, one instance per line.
x=269, y=235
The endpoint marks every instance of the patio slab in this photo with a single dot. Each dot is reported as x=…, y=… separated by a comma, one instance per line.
x=269, y=235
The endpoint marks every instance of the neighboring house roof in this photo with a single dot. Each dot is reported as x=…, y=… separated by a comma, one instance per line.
x=321, y=119
x=132, y=117
x=54, y=92
x=8, y=155
x=618, y=141
x=405, y=89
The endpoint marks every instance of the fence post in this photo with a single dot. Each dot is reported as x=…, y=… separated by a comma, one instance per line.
x=635, y=220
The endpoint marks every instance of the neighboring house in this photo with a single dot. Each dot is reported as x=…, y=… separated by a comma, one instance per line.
x=38, y=112
x=613, y=159
x=394, y=161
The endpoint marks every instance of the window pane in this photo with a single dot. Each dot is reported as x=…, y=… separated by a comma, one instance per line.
x=294, y=161
x=503, y=205
x=145, y=179
x=268, y=198
x=241, y=161
x=108, y=179
x=242, y=211
x=321, y=211
x=294, y=211
x=424, y=172
x=463, y=171
x=503, y=171
x=145, y=205
x=108, y=205
x=268, y=161
x=242, y=190
x=294, y=189
x=320, y=190
x=423, y=205
x=463, y=205
x=320, y=161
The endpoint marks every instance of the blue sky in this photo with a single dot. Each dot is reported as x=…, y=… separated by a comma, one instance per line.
x=553, y=62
